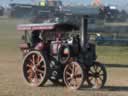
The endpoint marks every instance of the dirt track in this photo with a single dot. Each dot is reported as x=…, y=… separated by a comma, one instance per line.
x=12, y=83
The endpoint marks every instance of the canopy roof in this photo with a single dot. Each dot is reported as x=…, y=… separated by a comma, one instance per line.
x=47, y=26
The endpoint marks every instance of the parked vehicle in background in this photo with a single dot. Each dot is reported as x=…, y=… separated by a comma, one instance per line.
x=41, y=16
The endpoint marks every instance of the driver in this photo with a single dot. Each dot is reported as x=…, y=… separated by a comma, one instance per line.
x=37, y=43
x=35, y=38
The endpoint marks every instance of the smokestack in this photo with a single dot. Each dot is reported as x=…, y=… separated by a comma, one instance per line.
x=84, y=29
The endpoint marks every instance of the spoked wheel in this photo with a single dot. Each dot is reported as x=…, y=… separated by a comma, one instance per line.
x=35, y=69
x=96, y=75
x=73, y=75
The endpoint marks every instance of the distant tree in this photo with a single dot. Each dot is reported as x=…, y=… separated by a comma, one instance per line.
x=123, y=15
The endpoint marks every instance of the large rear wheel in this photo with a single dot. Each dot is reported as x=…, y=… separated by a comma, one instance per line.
x=35, y=69
x=73, y=75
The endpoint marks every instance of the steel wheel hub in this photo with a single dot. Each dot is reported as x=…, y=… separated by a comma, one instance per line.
x=34, y=68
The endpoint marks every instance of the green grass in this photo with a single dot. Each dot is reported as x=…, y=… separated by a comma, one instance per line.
x=113, y=54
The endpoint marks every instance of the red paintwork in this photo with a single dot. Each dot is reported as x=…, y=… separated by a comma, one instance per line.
x=23, y=28
x=30, y=27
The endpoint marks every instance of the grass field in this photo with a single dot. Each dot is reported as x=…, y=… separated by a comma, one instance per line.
x=11, y=79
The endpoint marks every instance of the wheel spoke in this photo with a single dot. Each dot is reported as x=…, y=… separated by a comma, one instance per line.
x=68, y=73
x=96, y=80
x=100, y=78
x=71, y=82
x=29, y=65
x=40, y=60
x=90, y=78
x=78, y=76
x=70, y=67
x=32, y=59
x=69, y=78
x=101, y=74
x=40, y=71
x=73, y=69
x=35, y=79
x=90, y=70
x=76, y=70
x=42, y=67
x=76, y=83
x=90, y=75
x=30, y=77
x=95, y=68
x=100, y=70
x=29, y=71
x=41, y=76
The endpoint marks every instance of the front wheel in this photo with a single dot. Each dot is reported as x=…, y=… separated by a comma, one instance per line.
x=96, y=76
x=73, y=75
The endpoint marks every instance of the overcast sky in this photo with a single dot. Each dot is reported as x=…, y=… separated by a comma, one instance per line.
x=120, y=3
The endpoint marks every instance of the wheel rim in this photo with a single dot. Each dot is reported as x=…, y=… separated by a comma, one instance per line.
x=96, y=76
x=73, y=75
x=34, y=69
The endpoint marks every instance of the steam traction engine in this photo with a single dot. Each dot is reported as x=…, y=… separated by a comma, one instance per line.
x=61, y=53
